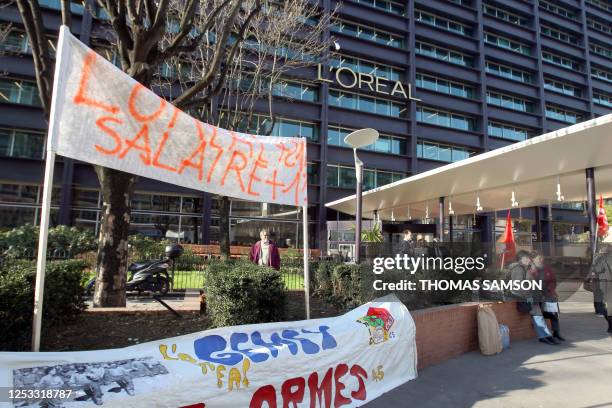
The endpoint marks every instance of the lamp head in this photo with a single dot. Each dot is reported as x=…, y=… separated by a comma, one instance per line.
x=361, y=138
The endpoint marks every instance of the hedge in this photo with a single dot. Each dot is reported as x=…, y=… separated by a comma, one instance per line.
x=63, y=298
x=64, y=241
x=240, y=292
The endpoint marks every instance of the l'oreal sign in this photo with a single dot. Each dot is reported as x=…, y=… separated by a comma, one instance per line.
x=349, y=79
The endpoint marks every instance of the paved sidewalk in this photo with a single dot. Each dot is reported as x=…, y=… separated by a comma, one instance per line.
x=577, y=374
x=189, y=301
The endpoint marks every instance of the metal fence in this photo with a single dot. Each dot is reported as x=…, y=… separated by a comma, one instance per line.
x=188, y=272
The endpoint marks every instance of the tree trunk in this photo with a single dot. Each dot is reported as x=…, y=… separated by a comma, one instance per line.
x=224, y=227
x=116, y=187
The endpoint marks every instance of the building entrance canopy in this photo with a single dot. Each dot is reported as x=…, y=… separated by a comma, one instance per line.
x=531, y=169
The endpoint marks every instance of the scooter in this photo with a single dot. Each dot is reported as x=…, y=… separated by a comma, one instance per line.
x=144, y=276
x=148, y=275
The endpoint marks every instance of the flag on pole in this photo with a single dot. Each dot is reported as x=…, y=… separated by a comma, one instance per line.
x=602, y=219
x=507, y=239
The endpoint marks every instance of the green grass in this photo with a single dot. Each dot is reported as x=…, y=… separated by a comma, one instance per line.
x=195, y=280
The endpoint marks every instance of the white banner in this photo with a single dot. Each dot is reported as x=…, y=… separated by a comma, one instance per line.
x=341, y=361
x=104, y=117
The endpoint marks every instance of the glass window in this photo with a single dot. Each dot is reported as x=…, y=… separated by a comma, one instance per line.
x=453, y=57
x=365, y=103
x=85, y=198
x=383, y=178
x=441, y=152
x=507, y=43
x=332, y=176
x=444, y=153
x=369, y=179
x=346, y=177
x=441, y=22
x=18, y=91
x=22, y=143
x=15, y=41
x=367, y=33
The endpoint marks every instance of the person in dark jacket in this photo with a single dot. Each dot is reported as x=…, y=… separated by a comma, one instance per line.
x=407, y=245
x=265, y=252
x=548, y=299
x=520, y=271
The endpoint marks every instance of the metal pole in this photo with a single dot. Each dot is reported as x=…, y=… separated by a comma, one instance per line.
x=441, y=219
x=41, y=260
x=359, y=177
x=550, y=231
x=306, y=269
x=591, y=211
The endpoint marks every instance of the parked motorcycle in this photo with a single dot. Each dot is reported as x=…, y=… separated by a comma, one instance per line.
x=149, y=276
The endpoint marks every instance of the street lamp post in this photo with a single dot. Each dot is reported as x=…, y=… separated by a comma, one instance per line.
x=357, y=139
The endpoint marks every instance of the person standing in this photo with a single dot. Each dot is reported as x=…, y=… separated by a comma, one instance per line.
x=51, y=381
x=265, y=252
x=549, y=299
x=83, y=380
x=123, y=378
x=406, y=246
x=520, y=271
x=601, y=275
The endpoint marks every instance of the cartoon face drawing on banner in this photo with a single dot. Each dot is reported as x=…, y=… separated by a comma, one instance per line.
x=378, y=321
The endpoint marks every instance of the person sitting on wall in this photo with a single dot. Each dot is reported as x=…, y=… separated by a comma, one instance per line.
x=265, y=252
x=601, y=275
x=528, y=300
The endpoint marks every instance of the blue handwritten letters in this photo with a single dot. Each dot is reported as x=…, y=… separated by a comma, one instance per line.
x=215, y=348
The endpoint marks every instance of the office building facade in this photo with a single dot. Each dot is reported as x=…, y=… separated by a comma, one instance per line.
x=440, y=80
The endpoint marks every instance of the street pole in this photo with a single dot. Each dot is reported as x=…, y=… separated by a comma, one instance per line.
x=359, y=177
x=591, y=211
x=441, y=219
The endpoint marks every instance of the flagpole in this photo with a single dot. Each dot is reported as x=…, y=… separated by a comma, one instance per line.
x=41, y=259
x=306, y=269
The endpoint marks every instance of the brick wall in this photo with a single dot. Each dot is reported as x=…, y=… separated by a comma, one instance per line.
x=447, y=331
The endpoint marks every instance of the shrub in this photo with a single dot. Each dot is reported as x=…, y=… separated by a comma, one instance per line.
x=144, y=247
x=347, y=285
x=323, y=278
x=71, y=240
x=63, y=298
x=63, y=241
x=240, y=292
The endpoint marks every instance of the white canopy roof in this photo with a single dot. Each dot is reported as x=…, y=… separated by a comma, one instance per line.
x=529, y=168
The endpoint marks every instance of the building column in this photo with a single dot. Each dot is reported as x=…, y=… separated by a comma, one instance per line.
x=538, y=225
x=549, y=231
x=441, y=219
x=65, y=200
x=591, y=210
x=321, y=236
x=206, y=218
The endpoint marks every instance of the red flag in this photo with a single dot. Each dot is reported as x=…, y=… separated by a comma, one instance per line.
x=602, y=219
x=507, y=238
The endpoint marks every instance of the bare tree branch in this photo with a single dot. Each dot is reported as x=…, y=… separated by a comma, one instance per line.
x=220, y=52
x=32, y=21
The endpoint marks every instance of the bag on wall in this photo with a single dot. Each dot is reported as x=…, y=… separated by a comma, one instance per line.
x=504, y=332
x=489, y=338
